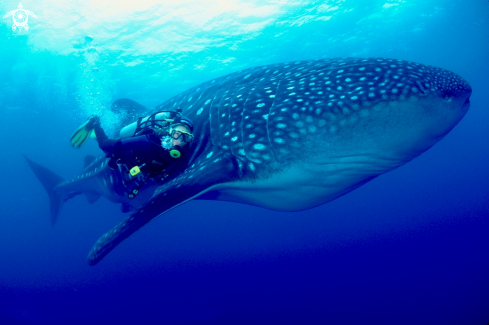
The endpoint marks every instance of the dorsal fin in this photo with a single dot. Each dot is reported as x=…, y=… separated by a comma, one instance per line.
x=88, y=160
x=128, y=110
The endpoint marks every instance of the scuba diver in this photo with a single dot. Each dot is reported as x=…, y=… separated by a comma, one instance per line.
x=155, y=145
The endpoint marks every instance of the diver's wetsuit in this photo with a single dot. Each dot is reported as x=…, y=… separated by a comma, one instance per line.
x=144, y=151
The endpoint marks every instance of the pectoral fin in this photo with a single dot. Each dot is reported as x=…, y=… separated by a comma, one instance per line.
x=181, y=189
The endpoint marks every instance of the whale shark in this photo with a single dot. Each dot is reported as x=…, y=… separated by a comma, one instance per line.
x=288, y=137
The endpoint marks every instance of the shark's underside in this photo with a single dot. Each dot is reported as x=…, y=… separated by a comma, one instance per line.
x=288, y=136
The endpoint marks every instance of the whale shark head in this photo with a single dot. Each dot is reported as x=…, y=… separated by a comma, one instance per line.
x=382, y=109
x=292, y=136
x=395, y=109
x=311, y=131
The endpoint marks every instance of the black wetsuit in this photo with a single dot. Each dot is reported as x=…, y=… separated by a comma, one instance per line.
x=143, y=151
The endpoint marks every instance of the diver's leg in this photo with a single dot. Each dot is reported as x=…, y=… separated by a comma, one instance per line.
x=94, y=123
x=109, y=146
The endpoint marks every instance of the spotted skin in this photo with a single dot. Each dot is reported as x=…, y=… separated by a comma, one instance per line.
x=296, y=135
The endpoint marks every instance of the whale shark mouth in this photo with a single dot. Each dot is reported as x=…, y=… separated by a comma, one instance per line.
x=466, y=105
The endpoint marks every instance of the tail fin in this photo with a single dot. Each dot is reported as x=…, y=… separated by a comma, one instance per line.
x=49, y=180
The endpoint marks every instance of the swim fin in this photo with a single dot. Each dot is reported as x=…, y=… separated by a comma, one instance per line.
x=82, y=134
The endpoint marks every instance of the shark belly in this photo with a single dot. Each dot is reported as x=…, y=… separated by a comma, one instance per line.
x=305, y=186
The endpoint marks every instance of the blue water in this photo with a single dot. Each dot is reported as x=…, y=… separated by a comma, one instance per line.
x=410, y=247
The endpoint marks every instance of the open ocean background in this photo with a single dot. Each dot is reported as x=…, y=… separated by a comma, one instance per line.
x=410, y=247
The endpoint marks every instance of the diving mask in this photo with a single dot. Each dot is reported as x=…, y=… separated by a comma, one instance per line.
x=181, y=135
